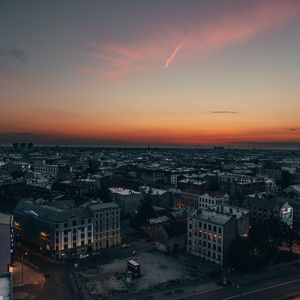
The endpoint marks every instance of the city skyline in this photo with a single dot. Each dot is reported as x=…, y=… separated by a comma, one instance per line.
x=159, y=73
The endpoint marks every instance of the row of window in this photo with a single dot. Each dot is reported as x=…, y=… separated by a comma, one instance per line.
x=74, y=223
x=74, y=238
x=107, y=214
x=207, y=236
x=208, y=226
x=207, y=245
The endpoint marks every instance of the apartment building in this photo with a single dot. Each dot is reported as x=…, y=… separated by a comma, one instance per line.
x=204, y=200
x=128, y=200
x=106, y=224
x=63, y=229
x=46, y=169
x=211, y=232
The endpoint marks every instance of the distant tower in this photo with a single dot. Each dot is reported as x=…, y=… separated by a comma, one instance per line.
x=15, y=146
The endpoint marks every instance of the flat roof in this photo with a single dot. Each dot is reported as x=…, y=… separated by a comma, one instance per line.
x=133, y=262
x=4, y=218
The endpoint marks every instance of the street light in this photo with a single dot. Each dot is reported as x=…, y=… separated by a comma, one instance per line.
x=240, y=291
x=22, y=266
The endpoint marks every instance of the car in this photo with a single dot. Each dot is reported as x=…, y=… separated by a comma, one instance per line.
x=82, y=256
x=125, y=245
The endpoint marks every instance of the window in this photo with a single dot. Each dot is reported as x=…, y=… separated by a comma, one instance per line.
x=66, y=225
x=74, y=245
x=74, y=223
x=82, y=243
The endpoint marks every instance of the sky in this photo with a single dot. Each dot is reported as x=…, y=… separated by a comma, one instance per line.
x=134, y=72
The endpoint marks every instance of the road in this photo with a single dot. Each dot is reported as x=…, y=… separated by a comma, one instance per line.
x=58, y=285
x=284, y=285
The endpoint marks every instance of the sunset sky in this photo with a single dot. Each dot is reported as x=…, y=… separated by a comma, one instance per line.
x=159, y=72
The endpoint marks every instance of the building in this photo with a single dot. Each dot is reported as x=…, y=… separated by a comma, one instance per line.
x=241, y=215
x=6, y=242
x=38, y=180
x=206, y=200
x=6, y=286
x=62, y=229
x=293, y=190
x=46, y=169
x=128, y=200
x=170, y=237
x=237, y=185
x=190, y=184
x=158, y=197
x=263, y=209
x=211, y=232
x=106, y=223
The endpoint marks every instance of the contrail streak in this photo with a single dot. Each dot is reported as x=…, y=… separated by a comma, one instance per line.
x=173, y=55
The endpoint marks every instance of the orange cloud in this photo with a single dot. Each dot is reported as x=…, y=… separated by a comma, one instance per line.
x=153, y=50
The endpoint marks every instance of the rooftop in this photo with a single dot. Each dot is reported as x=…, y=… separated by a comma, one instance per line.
x=212, y=217
x=5, y=219
x=121, y=191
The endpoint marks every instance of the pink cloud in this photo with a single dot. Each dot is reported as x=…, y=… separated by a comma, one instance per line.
x=165, y=46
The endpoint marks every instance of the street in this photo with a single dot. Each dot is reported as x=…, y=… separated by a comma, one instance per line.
x=57, y=285
x=284, y=285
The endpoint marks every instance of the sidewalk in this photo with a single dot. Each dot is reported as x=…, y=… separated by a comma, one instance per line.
x=30, y=275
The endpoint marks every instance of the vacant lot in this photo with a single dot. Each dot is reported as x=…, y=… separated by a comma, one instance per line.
x=157, y=269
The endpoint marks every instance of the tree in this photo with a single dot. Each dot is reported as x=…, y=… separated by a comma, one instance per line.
x=16, y=174
x=271, y=235
x=145, y=211
x=244, y=255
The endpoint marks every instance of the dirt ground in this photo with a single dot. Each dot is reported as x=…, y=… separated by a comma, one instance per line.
x=156, y=269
